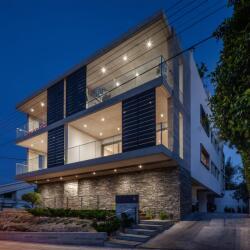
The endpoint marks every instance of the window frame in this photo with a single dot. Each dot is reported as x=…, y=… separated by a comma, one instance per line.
x=203, y=149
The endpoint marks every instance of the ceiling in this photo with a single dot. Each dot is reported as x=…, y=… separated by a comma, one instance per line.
x=37, y=143
x=106, y=121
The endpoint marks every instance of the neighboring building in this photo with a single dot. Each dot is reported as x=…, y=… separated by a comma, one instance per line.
x=125, y=121
x=229, y=202
x=11, y=194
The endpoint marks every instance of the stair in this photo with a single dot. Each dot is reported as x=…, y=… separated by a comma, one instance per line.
x=138, y=234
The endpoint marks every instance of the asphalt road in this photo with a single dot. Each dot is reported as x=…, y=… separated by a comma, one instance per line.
x=205, y=232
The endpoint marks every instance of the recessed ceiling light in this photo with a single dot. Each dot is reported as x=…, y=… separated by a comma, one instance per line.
x=32, y=110
x=47, y=180
x=42, y=141
x=115, y=170
x=149, y=44
x=61, y=178
x=117, y=84
x=103, y=119
x=76, y=176
x=140, y=166
x=94, y=173
x=103, y=70
x=32, y=145
x=100, y=133
x=42, y=104
x=136, y=74
x=36, y=182
x=125, y=58
x=85, y=125
x=162, y=115
x=118, y=129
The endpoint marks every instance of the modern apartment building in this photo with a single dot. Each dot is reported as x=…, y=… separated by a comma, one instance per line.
x=131, y=119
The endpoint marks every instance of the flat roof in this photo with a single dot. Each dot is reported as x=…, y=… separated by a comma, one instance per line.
x=131, y=32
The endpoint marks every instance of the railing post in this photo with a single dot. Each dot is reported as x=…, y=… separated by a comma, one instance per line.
x=161, y=131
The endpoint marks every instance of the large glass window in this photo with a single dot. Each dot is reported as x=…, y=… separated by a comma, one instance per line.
x=204, y=156
x=181, y=153
x=111, y=149
x=181, y=82
x=204, y=120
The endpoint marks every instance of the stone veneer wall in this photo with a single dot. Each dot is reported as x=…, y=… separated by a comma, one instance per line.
x=158, y=189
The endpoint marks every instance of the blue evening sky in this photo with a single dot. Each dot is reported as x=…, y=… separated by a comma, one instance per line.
x=41, y=39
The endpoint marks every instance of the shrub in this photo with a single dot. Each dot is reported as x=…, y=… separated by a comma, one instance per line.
x=99, y=215
x=149, y=215
x=163, y=215
x=33, y=198
x=126, y=221
x=108, y=226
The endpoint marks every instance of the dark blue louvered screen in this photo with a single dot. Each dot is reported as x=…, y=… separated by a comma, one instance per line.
x=55, y=100
x=56, y=147
x=138, y=121
x=76, y=91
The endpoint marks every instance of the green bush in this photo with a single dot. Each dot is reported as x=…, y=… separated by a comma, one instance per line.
x=108, y=226
x=33, y=198
x=99, y=215
x=149, y=215
x=163, y=215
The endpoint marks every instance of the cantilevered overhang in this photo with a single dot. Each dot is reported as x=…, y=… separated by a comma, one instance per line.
x=159, y=81
x=151, y=157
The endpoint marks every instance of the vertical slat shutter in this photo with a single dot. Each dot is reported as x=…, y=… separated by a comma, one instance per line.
x=56, y=147
x=138, y=121
x=55, y=100
x=76, y=91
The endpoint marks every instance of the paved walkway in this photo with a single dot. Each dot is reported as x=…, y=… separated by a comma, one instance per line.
x=210, y=231
x=207, y=232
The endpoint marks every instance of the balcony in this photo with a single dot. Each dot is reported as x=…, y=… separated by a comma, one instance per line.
x=146, y=72
x=94, y=149
x=34, y=164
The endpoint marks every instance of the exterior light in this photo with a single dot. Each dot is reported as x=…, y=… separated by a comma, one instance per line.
x=117, y=84
x=140, y=166
x=162, y=115
x=94, y=173
x=103, y=119
x=36, y=182
x=100, y=133
x=61, y=178
x=76, y=176
x=149, y=44
x=85, y=125
x=47, y=180
x=32, y=110
x=32, y=145
x=136, y=74
x=118, y=129
x=42, y=104
x=115, y=170
x=42, y=141
x=125, y=58
x=103, y=70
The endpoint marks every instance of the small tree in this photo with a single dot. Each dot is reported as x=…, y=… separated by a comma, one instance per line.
x=33, y=197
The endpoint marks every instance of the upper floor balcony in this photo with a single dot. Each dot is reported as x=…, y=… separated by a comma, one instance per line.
x=107, y=133
x=96, y=93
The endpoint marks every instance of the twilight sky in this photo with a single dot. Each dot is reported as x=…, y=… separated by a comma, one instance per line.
x=41, y=39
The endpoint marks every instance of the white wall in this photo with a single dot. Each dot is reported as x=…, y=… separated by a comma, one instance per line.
x=198, y=135
x=229, y=201
x=81, y=146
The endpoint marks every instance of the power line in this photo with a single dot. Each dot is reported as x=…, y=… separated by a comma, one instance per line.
x=183, y=30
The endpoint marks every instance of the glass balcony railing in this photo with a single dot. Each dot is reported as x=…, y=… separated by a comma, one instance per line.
x=31, y=165
x=127, y=81
x=30, y=128
x=95, y=149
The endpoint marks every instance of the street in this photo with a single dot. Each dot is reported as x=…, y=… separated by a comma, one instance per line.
x=207, y=232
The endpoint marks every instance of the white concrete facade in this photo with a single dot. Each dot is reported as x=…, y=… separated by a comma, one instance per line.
x=201, y=174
